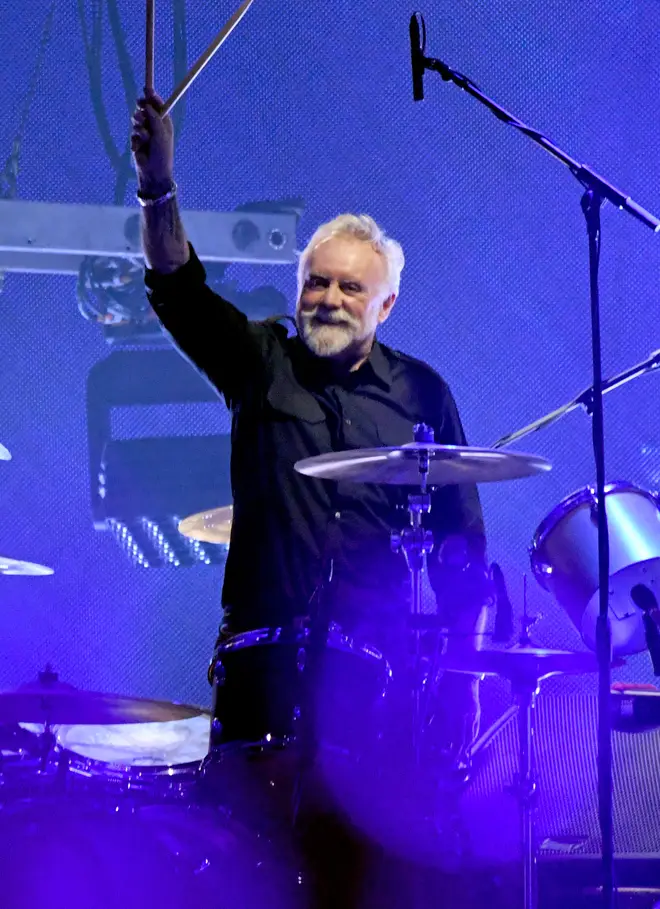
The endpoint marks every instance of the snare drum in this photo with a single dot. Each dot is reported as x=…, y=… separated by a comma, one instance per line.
x=564, y=559
x=155, y=759
x=260, y=681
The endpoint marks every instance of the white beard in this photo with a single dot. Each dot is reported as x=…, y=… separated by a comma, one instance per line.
x=325, y=340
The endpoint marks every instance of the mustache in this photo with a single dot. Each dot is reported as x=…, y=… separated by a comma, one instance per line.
x=327, y=318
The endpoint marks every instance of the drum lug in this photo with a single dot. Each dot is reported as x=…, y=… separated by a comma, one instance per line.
x=218, y=673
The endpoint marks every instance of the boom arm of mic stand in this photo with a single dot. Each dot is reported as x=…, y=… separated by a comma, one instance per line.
x=584, y=399
x=582, y=172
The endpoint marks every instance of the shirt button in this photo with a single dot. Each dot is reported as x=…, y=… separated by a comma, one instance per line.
x=337, y=515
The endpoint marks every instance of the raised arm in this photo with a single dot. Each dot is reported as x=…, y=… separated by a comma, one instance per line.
x=152, y=142
x=212, y=333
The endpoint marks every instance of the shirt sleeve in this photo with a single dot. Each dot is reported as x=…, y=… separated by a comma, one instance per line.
x=217, y=338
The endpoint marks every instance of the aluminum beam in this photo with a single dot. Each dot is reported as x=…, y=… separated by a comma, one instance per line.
x=54, y=238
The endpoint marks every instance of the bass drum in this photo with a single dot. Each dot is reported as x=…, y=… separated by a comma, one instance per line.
x=564, y=559
x=71, y=853
x=121, y=821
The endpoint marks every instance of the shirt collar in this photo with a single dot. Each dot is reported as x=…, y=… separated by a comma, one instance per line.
x=376, y=363
x=380, y=365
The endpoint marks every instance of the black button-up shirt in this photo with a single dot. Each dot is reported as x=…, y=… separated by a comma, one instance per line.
x=287, y=405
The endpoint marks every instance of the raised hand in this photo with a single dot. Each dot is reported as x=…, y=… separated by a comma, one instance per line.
x=152, y=144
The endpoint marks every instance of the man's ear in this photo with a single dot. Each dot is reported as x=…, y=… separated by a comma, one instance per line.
x=386, y=307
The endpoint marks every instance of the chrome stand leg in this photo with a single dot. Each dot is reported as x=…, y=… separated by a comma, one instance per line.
x=526, y=699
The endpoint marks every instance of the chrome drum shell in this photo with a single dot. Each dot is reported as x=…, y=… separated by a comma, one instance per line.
x=564, y=560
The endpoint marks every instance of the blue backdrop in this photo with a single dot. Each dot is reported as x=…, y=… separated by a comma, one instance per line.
x=314, y=100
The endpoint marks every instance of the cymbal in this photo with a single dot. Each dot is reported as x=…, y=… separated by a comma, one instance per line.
x=23, y=569
x=519, y=662
x=212, y=526
x=448, y=464
x=5, y=454
x=59, y=704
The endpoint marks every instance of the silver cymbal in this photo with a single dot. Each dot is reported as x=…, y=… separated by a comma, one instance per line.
x=519, y=662
x=5, y=454
x=213, y=526
x=448, y=464
x=58, y=703
x=23, y=569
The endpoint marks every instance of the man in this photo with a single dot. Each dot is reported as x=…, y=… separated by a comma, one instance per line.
x=303, y=547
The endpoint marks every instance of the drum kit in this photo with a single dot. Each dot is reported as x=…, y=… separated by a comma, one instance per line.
x=125, y=754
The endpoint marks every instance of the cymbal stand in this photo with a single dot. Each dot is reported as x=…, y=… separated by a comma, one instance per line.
x=525, y=691
x=416, y=543
x=525, y=688
x=47, y=739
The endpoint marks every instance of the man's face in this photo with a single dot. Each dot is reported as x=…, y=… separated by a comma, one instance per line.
x=344, y=297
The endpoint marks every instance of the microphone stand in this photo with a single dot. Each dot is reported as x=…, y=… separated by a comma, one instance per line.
x=597, y=190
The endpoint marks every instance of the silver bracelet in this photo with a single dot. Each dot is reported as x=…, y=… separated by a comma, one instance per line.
x=159, y=200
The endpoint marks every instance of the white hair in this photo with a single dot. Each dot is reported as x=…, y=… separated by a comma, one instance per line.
x=364, y=228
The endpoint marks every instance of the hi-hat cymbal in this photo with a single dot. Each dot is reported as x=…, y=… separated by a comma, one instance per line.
x=23, y=569
x=213, y=526
x=448, y=464
x=57, y=703
x=519, y=662
x=5, y=454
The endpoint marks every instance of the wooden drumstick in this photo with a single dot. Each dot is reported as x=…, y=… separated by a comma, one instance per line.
x=149, y=54
x=196, y=69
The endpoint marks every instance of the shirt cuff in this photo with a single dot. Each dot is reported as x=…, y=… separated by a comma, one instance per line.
x=193, y=272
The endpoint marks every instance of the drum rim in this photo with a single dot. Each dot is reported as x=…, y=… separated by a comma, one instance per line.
x=284, y=634
x=289, y=634
x=75, y=762
x=563, y=508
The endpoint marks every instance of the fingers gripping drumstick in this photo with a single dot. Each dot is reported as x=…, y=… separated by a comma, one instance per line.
x=149, y=55
x=196, y=69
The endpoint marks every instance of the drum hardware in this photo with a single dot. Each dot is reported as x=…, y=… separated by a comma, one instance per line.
x=584, y=400
x=525, y=667
x=422, y=463
x=416, y=543
x=503, y=629
x=527, y=621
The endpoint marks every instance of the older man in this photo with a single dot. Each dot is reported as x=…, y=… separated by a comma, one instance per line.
x=331, y=386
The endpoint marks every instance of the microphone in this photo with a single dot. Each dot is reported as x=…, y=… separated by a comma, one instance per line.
x=417, y=48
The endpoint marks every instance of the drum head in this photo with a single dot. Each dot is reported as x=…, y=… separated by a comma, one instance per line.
x=156, y=745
